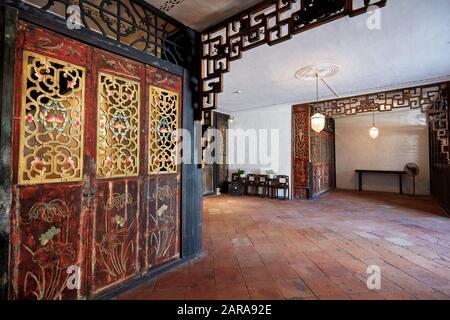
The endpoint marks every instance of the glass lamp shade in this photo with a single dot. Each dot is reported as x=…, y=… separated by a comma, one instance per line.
x=374, y=132
x=318, y=122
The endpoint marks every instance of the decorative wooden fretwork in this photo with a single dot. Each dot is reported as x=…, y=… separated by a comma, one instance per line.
x=300, y=151
x=130, y=22
x=438, y=117
x=414, y=98
x=52, y=120
x=270, y=22
x=169, y=5
x=301, y=140
x=117, y=127
x=163, y=122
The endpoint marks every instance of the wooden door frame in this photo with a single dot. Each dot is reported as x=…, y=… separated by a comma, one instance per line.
x=190, y=202
x=8, y=22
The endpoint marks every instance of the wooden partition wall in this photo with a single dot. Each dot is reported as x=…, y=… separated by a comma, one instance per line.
x=313, y=156
x=439, y=118
x=96, y=180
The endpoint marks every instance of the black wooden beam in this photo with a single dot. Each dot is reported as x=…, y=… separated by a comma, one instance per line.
x=191, y=181
x=8, y=23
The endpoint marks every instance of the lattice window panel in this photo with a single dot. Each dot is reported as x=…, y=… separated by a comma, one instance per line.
x=117, y=127
x=163, y=123
x=52, y=120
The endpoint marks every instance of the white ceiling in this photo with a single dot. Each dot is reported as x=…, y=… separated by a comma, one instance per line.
x=413, y=46
x=201, y=14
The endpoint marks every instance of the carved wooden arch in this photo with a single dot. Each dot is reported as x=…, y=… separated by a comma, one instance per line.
x=269, y=22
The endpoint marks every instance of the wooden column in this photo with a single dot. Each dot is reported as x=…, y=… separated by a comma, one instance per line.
x=191, y=179
x=8, y=25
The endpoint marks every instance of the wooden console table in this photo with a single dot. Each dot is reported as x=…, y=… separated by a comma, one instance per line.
x=399, y=173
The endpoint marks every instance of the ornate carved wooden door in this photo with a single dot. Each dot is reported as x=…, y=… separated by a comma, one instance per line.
x=162, y=236
x=48, y=220
x=96, y=173
x=114, y=138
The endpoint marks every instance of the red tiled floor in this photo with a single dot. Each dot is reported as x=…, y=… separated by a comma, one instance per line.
x=294, y=289
x=268, y=249
x=282, y=272
x=204, y=293
x=169, y=294
x=233, y=292
x=350, y=284
x=266, y=290
x=256, y=274
x=231, y=275
x=174, y=279
x=324, y=287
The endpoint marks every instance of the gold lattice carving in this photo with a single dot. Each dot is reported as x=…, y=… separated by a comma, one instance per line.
x=117, y=127
x=52, y=121
x=163, y=124
x=301, y=142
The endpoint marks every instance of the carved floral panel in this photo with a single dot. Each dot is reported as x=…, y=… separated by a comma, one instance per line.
x=47, y=251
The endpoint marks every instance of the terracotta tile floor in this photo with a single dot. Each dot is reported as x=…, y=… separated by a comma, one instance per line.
x=270, y=249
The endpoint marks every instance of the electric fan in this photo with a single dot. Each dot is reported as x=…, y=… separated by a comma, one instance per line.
x=236, y=188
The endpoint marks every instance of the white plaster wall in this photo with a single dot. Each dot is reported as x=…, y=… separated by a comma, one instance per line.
x=276, y=117
x=403, y=139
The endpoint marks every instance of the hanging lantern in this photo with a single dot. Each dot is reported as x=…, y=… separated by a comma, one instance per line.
x=318, y=122
x=374, y=132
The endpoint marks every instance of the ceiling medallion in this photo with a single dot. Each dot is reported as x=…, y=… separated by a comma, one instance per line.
x=322, y=70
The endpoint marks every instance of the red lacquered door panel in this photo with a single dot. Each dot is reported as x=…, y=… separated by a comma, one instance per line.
x=118, y=153
x=162, y=242
x=48, y=220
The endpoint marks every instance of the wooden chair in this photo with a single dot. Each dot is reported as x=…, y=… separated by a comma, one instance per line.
x=281, y=183
x=251, y=185
x=235, y=177
x=262, y=185
x=270, y=191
